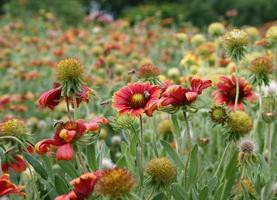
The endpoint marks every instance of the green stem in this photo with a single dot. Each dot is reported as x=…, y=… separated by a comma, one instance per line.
x=188, y=138
x=269, y=141
x=68, y=108
x=221, y=160
x=237, y=85
x=141, y=139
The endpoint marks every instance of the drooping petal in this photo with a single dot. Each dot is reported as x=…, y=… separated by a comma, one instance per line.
x=65, y=152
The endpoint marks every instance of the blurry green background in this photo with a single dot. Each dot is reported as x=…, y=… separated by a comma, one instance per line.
x=198, y=12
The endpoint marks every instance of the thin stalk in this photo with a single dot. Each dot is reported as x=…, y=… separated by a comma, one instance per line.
x=68, y=108
x=141, y=139
x=221, y=160
x=237, y=85
x=188, y=138
x=269, y=141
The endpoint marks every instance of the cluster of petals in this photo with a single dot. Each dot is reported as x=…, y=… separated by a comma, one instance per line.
x=53, y=97
x=82, y=186
x=65, y=135
x=7, y=187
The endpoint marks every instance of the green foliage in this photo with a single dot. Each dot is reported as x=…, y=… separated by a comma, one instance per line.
x=69, y=11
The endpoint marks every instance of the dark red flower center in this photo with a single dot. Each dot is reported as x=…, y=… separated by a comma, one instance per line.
x=232, y=94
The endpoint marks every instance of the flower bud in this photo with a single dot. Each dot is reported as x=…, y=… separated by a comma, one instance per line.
x=13, y=127
x=271, y=35
x=218, y=114
x=197, y=40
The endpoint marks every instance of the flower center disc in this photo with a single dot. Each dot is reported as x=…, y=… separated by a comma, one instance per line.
x=137, y=100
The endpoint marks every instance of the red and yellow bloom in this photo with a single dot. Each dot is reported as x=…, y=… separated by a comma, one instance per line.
x=136, y=99
x=65, y=135
x=226, y=92
x=83, y=186
x=17, y=164
x=7, y=187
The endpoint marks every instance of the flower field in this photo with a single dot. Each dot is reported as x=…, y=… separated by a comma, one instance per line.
x=137, y=112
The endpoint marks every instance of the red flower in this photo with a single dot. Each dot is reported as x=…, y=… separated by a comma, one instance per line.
x=7, y=187
x=65, y=135
x=17, y=164
x=136, y=98
x=226, y=92
x=176, y=95
x=83, y=186
x=51, y=98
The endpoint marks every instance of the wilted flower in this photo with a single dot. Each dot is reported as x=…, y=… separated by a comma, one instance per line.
x=115, y=182
x=83, y=186
x=235, y=42
x=162, y=170
x=13, y=127
x=136, y=99
x=7, y=187
x=216, y=29
x=226, y=92
x=240, y=122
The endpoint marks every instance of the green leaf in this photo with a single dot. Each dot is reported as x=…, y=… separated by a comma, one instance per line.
x=61, y=185
x=68, y=168
x=172, y=153
x=159, y=196
x=176, y=127
x=178, y=192
x=36, y=165
x=204, y=193
x=193, y=165
x=122, y=162
x=91, y=157
x=212, y=183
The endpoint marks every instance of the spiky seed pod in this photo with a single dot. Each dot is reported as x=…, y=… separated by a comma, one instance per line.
x=162, y=170
x=70, y=73
x=247, y=152
x=69, y=69
x=246, y=184
x=148, y=72
x=235, y=43
x=216, y=29
x=13, y=127
x=239, y=122
x=197, y=40
x=271, y=35
x=218, y=114
x=261, y=67
x=115, y=183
